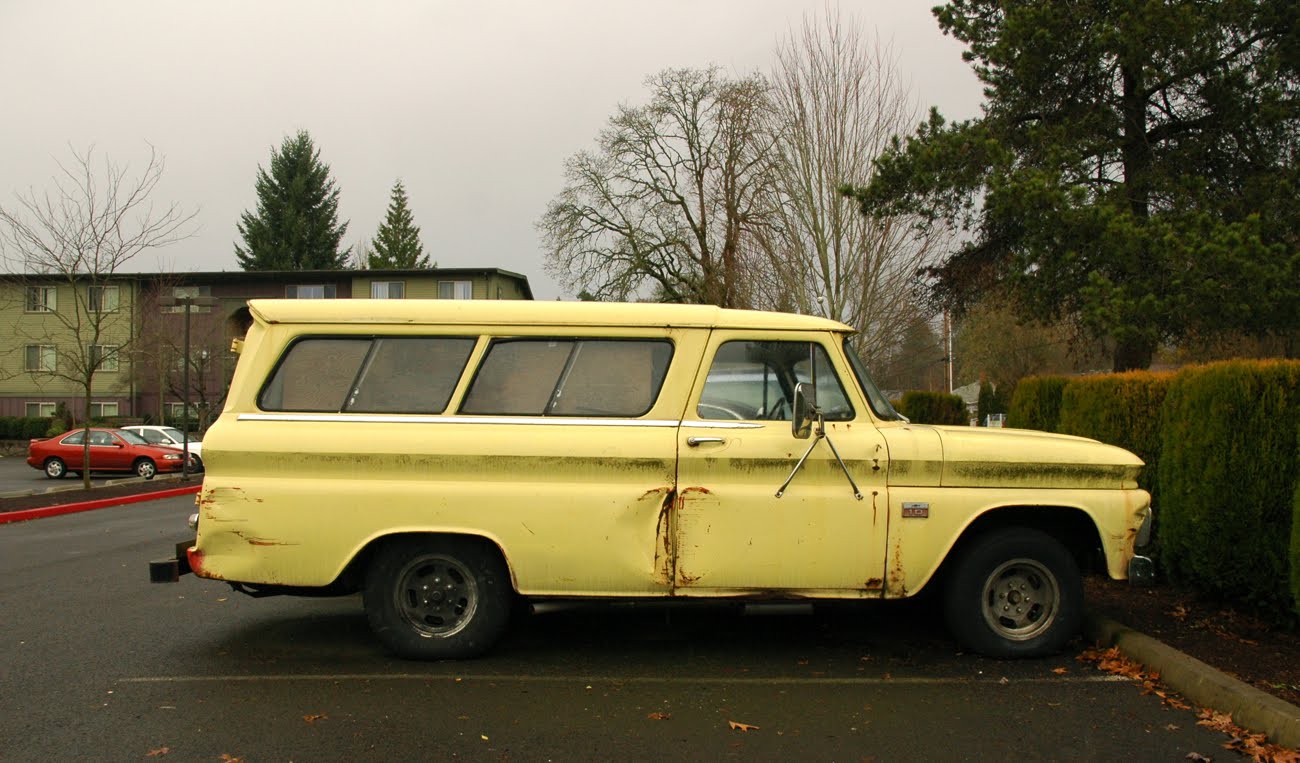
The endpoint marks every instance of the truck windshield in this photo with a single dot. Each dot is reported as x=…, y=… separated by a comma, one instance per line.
x=879, y=403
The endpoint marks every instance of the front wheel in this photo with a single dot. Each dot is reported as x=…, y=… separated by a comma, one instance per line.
x=145, y=468
x=55, y=468
x=431, y=598
x=1015, y=593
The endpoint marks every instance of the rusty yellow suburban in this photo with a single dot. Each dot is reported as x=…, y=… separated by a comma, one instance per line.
x=448, y=458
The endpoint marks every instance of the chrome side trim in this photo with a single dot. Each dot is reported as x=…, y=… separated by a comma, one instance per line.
x=720, y=425
x=352, y=418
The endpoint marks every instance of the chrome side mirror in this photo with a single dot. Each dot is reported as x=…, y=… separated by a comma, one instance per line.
x=801, y=411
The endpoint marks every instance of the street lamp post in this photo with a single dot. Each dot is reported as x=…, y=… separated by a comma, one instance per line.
x=188, y=303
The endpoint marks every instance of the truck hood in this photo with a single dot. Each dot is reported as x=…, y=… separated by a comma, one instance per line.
x=984, y=457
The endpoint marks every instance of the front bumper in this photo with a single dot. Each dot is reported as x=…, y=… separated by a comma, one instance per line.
x=1141, y=570
x=169, y=570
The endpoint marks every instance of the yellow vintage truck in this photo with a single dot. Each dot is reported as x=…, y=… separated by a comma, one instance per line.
x=449, y=458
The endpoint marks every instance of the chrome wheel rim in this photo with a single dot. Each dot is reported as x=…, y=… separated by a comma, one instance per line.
x=436, y=595
x=54, y=468
x=145, y=469
x=1021, y=599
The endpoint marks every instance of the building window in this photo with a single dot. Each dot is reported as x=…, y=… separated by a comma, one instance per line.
x=310, y=291
x=40, y=410
x=183, y=292
x=103, y=357
x=101, y=410
x=387, y=290
x=177, y=411
x=455, y=290
x=102, y=299
x=41, y=357
x=41, y=299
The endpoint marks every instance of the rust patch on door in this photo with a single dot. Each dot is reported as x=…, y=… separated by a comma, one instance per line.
x=665, y=556
x=897, y=576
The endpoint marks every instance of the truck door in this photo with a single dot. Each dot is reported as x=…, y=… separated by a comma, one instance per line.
x=736, y=449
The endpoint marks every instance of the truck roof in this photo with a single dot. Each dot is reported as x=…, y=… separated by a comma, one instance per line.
x=526, y=312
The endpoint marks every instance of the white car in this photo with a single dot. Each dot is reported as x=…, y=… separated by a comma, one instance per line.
x=172, y=438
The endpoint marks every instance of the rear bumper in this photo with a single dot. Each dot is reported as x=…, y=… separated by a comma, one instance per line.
x=169, y=570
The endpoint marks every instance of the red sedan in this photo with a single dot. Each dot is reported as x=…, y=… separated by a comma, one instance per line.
x=111, y=450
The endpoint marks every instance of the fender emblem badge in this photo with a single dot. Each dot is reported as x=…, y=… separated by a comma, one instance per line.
x=916, y=510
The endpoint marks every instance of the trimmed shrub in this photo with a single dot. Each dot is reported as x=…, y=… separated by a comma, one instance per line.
x=35, y=427
x=933, y=408
x=1228, y=474
x=990, y=401
x=1036, y=403
x=1119, y=409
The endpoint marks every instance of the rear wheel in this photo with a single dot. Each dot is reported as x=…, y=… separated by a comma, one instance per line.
x=55, y=468
x=1015, y=593
x=432, y=598
x=146, y=468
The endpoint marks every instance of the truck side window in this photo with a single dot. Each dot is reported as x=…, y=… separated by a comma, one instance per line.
x=367, y=375
x=755, y=380
x=569, y=377
x=410, y=374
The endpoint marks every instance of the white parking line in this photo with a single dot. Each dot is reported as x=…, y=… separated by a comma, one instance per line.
x=588, y=679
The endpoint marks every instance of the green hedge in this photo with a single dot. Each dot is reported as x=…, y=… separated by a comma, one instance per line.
x=933, y=408
x=23, y=427
x=1036, y=403
x=1119, y=409
x=1228, y=482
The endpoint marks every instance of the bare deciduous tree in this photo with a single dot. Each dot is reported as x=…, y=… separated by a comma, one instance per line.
x=74, y=237
x=661, y=208
x=837, y=99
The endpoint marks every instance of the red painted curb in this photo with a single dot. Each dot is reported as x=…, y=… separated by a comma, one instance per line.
x=102, y=503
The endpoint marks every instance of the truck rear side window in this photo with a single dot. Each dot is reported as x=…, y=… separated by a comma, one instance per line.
x=367, y=375
x=569, y=377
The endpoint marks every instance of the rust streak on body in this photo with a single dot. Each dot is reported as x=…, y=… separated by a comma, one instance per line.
x=664, y=550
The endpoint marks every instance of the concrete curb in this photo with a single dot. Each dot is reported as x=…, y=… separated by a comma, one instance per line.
x=65, y=486
x=99, y=503
x=1250, y=708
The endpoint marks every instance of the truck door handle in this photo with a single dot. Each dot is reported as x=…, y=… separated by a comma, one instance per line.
x=695, y=442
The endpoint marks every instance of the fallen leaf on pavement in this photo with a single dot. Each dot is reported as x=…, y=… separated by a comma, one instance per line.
x=1253, y=746
x=313, y=718
x=1060, y=671
x=735, y=726
x=158, y=753
x=659, y=716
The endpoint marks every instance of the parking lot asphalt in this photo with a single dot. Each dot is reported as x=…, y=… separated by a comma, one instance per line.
x=1195, y=680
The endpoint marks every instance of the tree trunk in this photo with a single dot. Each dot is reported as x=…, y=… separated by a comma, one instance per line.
x=1133, y=354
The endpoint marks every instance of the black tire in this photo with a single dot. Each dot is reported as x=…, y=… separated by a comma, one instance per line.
x=146, y=468
x=1014, y=593
x=438, y=598
x=55, y=469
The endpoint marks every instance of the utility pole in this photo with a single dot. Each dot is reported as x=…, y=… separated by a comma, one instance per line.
x=947, y=342
x=188, y=303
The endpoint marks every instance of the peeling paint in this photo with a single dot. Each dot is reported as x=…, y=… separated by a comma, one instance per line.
x=897, y=575
x=261, y=541
x=665, y=557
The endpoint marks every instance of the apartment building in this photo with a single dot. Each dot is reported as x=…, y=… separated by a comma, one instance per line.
x=51, y=330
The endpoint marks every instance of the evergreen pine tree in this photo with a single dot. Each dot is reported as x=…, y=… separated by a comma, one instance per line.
x=296, y=226
x=397, y=244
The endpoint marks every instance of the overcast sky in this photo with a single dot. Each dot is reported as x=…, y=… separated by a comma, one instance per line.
x=474, y=105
